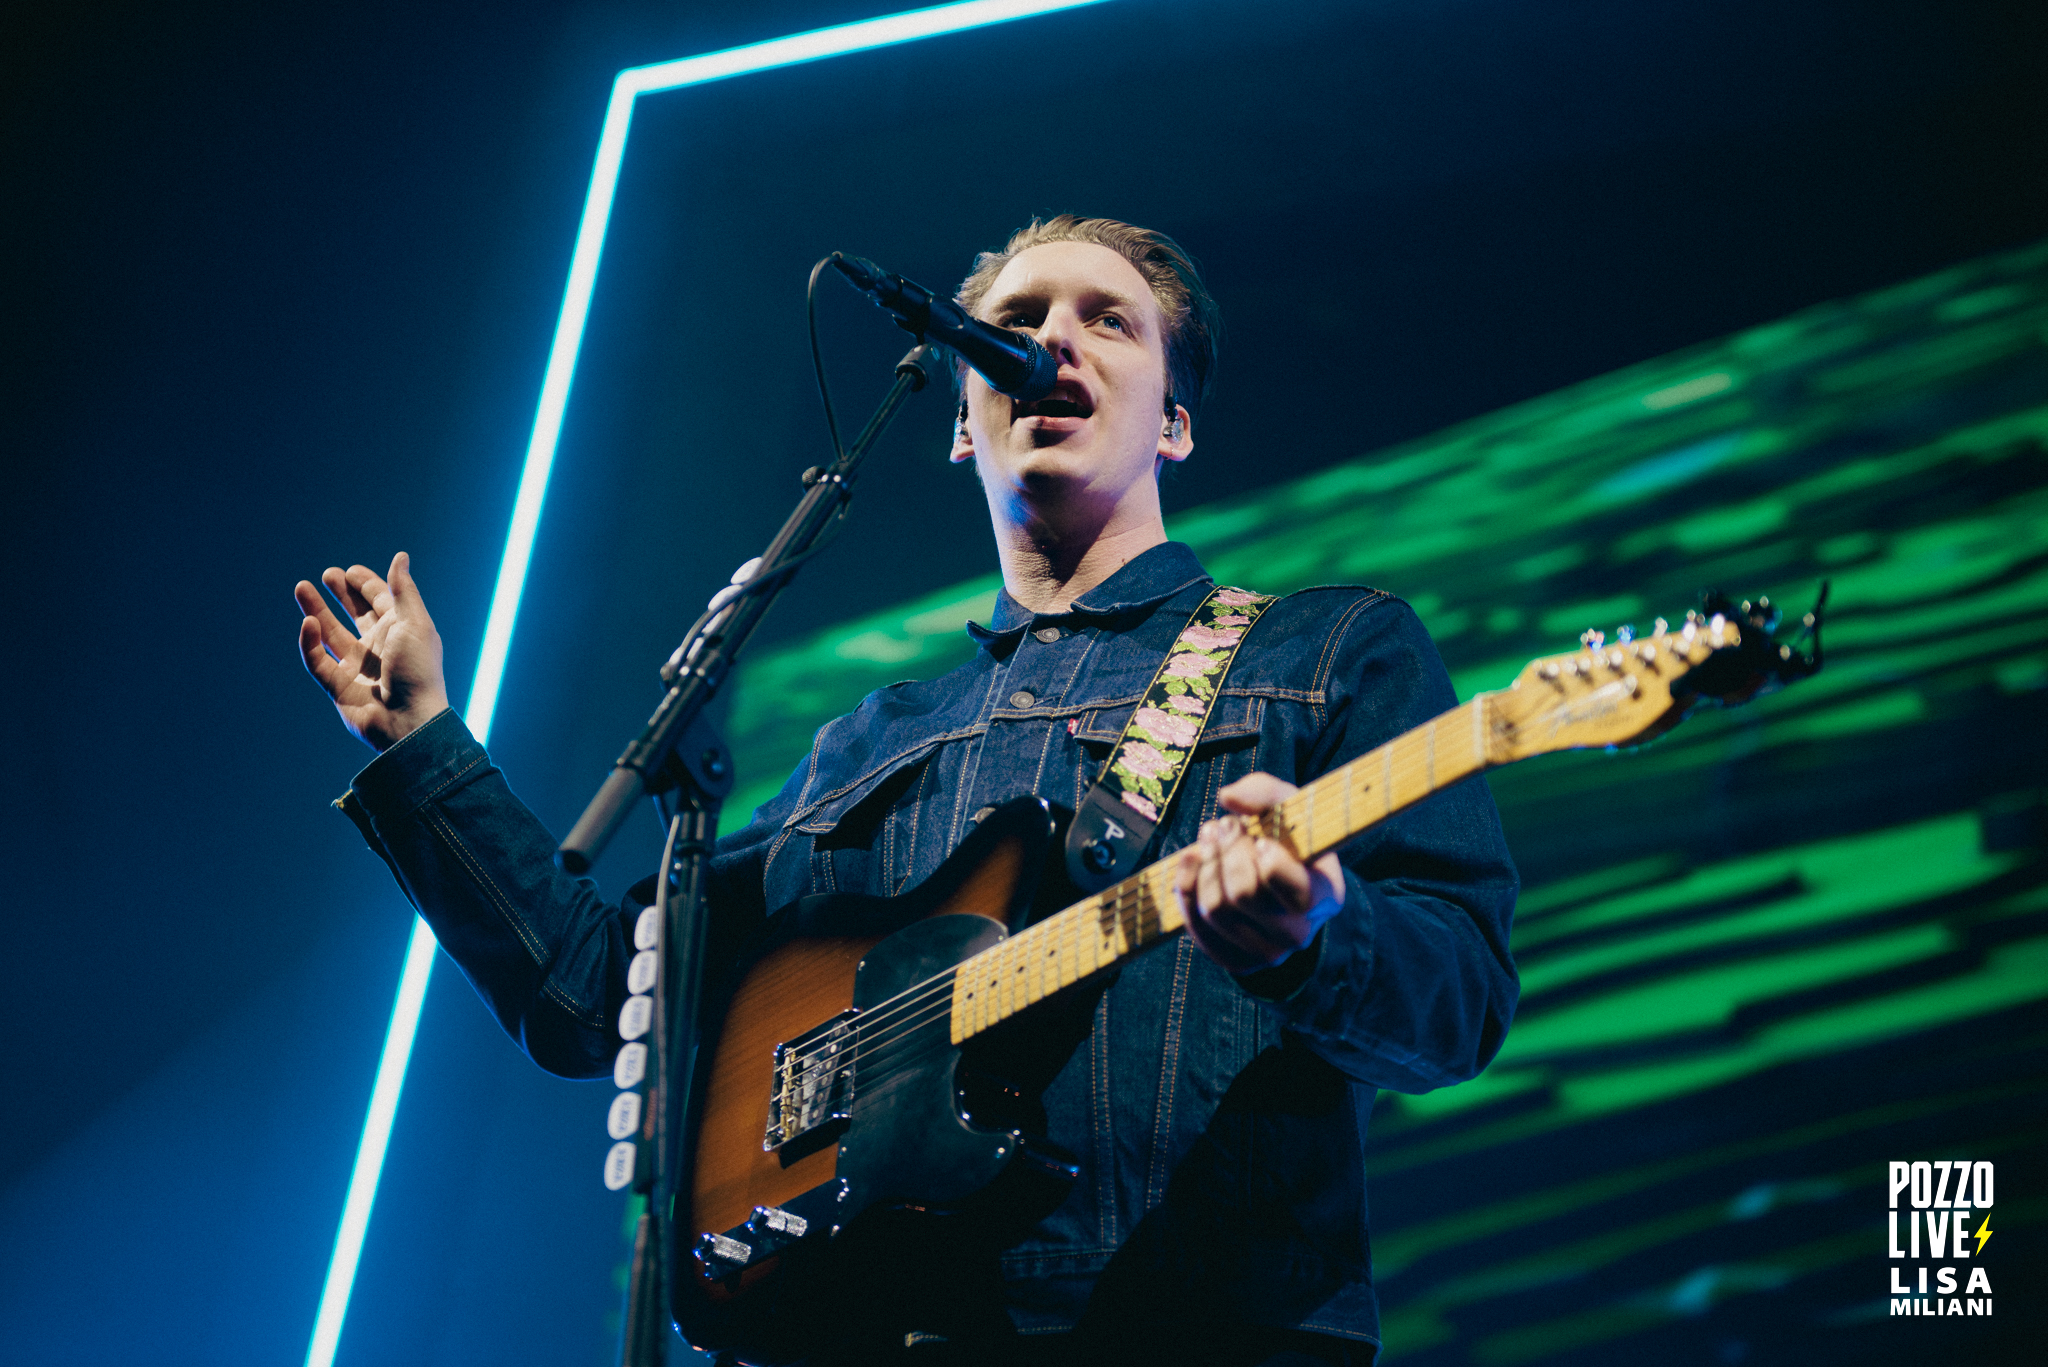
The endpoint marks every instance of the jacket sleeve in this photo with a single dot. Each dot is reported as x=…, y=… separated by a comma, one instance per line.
x=1411, y=986
x=544, y=950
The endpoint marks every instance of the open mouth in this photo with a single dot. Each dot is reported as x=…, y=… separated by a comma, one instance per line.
x=1065, y=401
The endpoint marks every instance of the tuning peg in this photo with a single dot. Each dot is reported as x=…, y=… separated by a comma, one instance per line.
x=1662, y=627
x=1624, y=633
x=1592, y=638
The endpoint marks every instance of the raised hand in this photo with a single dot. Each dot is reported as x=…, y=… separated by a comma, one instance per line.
x=385, y=676
x=1250, y=903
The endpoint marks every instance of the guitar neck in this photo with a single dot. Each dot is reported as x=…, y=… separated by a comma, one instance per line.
x=1123, y=920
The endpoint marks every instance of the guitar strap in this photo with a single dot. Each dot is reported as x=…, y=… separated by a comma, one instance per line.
x=1115, y=822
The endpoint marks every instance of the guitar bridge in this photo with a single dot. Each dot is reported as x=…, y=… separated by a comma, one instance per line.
x=811, y=1094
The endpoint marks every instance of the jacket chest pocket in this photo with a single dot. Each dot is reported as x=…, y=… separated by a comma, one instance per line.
x=869, y=835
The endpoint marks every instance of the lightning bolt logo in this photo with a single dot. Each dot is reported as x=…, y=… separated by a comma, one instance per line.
x=1983, y=1233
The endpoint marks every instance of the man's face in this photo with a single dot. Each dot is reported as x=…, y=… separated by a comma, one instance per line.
x=1101, y=430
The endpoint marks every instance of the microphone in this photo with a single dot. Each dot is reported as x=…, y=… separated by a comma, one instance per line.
x=1011, y=362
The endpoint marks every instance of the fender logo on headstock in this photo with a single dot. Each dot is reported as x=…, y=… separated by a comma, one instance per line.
x=1602, y=703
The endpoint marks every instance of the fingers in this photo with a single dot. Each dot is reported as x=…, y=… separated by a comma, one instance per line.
x=370, y=602
x=313, y=651
x=1284, y=876
x=338, y=639
x=369, y=590
x=405, y=594
x=1243, y=896
x=1239, y=866
x=385, y=676
x=333, y=675
x=345, y=592
x=405, y=597
x=1255, y=794
x=367, y=597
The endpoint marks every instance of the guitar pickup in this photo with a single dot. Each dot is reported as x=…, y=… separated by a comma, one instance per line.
x=810, y=1094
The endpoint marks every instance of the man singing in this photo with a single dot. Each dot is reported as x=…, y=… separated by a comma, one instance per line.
x=1215, y=1092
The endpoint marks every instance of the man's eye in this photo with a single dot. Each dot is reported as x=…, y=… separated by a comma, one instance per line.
x=1111, y=320
x=1020, y=320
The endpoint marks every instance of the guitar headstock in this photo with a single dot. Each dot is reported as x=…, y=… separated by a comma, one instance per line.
x=1638, y=687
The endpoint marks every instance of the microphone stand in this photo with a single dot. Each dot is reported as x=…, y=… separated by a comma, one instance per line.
x=678, y=757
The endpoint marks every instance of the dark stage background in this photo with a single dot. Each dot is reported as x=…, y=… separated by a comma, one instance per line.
x=1506, y=289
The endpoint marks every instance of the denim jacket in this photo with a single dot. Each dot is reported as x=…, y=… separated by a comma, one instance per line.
x=1220, y=1121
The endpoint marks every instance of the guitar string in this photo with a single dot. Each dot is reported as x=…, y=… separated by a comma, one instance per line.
x=1138, y=905
x=920, y=995
x=873, y=1051
x=1130, y=907
x=1128, y=902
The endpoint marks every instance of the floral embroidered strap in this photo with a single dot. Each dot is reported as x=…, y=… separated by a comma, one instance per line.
x=1120, y=813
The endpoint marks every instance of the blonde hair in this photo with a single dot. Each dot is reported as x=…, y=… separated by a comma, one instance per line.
x=1192, y=326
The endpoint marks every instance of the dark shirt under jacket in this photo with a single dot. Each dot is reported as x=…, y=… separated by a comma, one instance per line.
x=1220, y=1122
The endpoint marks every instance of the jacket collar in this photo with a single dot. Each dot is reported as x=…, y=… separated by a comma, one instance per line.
x=1148, y=579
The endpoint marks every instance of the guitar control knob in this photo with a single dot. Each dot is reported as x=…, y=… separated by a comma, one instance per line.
x=717, y=1251
x=774, y=1220
x=1098, y=856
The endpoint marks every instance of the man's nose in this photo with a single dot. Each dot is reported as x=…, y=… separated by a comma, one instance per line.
x=1060, y=334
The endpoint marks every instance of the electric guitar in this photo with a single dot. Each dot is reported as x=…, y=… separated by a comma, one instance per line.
x=840, y=1083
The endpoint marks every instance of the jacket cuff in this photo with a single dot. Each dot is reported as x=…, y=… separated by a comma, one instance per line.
x=1304, y=987
x=1284, y=980
x=412, y=772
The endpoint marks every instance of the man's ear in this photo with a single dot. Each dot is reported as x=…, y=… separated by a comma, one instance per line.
x=1176, y=434
x=963, y=440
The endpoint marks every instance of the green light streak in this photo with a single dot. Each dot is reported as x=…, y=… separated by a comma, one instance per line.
x=1707, y=1000
x=1839, y=879
x=2012, y=976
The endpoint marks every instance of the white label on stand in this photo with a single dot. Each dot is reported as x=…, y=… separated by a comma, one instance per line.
x=647, y=930
x=640, y=973
x=618, y=1165
x=624, y=1116
x=630, y=1066
x=635, y=1016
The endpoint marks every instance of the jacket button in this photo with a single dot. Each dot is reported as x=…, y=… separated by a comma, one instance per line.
x=1047, y=634
x=1023, y=697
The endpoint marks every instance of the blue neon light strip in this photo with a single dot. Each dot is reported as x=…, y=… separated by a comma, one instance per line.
x=629, y=85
